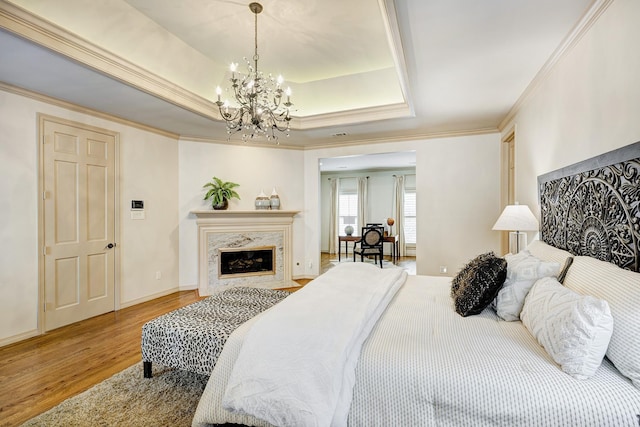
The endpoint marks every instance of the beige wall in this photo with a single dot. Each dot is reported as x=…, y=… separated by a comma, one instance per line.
x=458, y=201
x=148, y=171
x=587, y=105
x=252, y=166
x=457, y=181
x=458, y=197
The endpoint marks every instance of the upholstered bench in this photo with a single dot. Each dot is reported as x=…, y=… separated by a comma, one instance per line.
x=191, y=338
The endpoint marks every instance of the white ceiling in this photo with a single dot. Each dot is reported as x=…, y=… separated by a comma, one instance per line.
x=361, y=70
x=395, y=160
x=304, y=40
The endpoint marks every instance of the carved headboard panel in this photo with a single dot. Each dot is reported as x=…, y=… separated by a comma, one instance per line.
x=592, y=208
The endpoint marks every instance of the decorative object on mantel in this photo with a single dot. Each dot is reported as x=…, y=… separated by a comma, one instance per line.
x=274, y=199
x=262, y=201
x=258, y=108
x=348, y=230
x=220, y=192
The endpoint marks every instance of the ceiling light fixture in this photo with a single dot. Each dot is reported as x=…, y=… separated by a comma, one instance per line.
x=259, y=109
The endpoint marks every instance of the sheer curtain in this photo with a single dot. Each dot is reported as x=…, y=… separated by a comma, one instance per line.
x=398, y=212
x=363, y=201
x=333, y=222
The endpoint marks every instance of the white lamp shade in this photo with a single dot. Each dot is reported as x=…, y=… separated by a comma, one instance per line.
x=516, y=218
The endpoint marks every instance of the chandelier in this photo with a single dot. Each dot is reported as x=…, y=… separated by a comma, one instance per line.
x=260, y=109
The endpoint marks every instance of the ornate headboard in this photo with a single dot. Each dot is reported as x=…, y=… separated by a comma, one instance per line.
x=592, y=208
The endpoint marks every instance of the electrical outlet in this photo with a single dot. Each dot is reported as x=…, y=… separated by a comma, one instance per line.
x=443, y=269
x=158, y=275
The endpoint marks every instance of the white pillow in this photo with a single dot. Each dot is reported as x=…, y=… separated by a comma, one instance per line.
x=546, y=252
x=574, y=329
x=523, y=270
x=621, y=289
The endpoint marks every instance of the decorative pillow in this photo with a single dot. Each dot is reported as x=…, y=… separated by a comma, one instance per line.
x=621, y=289
x=523, y=270
x=460, y=278
x=477, y=284
x=574, y=329
x=546, y=252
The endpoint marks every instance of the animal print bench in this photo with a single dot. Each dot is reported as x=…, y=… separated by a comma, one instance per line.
x=191, y=338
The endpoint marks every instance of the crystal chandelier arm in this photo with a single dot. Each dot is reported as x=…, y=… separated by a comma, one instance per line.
x=229, y=114
x=261, y=109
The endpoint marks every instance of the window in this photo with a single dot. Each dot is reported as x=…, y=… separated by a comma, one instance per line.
x=347, y=211
x=410, y=217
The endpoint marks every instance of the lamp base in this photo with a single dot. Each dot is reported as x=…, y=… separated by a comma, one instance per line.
x=517, y=241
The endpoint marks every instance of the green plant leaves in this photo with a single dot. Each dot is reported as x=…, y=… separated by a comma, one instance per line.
x=219, y=191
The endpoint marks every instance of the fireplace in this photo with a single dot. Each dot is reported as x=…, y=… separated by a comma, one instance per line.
x=237, y=239
x=239, y=262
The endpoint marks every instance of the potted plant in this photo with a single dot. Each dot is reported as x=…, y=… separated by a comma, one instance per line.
x=220, y=192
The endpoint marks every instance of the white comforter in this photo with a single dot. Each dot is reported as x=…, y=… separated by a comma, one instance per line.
x=424, y=365
x=297, y=364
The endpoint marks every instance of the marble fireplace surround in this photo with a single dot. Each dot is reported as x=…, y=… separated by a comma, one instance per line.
x=243, y=229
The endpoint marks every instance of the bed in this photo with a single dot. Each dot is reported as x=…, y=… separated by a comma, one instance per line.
x=412, y=351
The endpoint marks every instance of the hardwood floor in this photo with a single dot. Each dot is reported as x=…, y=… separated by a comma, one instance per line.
x=327, y=261
x=39, y=373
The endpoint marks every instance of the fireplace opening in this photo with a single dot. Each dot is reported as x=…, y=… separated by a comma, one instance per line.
x=238, y=262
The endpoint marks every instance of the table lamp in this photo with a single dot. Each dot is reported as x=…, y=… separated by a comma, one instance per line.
x=516, y=219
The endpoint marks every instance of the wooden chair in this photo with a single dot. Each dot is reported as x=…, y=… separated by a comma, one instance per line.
x=371, y=243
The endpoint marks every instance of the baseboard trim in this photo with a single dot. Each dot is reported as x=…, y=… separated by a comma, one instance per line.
x=20, y=337
x=150, y=297
x=304, y=277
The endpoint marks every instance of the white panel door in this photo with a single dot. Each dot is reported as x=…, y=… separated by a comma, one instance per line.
x=78, y=213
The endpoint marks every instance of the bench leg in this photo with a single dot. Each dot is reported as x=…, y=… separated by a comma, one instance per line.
x=146, y=368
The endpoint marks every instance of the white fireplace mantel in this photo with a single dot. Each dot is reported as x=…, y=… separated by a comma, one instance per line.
x=232, y=228
x=215, y=215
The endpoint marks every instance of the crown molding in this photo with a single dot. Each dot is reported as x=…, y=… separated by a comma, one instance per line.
x=31, y=27
x=260, y=144
x=79, y=109
x=587, y=21
x=390, y=18
x=44, y=33
x=350, y=117
x=355, y=142
x=405, y=138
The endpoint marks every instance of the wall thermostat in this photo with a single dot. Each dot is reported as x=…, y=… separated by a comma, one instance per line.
x=137, y=204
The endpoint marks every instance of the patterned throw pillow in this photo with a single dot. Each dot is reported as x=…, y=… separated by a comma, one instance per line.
x=460, y=278
x=478, y=283
x=574, y=329
x=523, y=270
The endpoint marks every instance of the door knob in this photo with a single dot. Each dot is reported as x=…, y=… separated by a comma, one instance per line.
x=110, y=246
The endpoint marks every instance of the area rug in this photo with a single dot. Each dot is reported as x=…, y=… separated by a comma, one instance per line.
x=127, y=399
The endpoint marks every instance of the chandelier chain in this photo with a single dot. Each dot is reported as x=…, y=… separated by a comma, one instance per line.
x=255, y=41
